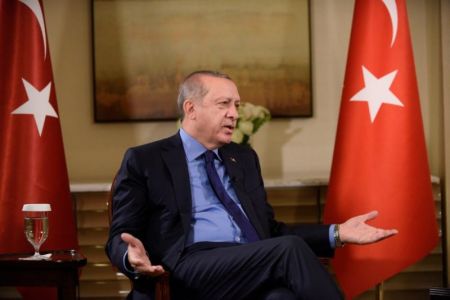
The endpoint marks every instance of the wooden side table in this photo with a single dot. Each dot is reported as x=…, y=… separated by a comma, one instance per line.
x=60, y=271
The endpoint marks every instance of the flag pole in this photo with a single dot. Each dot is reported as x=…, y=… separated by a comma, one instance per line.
x=380, y=291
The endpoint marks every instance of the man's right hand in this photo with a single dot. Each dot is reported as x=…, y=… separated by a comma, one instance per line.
x=137, y=257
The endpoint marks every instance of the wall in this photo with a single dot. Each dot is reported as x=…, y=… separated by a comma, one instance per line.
x=287, y=148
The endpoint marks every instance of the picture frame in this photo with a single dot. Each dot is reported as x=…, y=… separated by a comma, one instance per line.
x=144, y=48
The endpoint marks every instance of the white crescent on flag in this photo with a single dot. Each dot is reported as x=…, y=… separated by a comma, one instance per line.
x=392, y=9
x=37, y=11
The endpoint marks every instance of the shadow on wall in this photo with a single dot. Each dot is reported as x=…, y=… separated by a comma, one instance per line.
x=269, y=144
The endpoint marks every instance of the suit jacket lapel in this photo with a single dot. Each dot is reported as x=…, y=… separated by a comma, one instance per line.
x=236, y=173
x=174, y=158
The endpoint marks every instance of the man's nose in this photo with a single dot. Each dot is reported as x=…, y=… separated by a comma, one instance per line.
x=233, y=112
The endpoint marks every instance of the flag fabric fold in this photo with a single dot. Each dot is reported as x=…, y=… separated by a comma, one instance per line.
x=380, y=159
x=32, y=161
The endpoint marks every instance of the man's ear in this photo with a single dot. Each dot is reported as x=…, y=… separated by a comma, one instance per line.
x=189, y=109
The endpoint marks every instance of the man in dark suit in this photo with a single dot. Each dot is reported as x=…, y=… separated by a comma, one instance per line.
x=216, y=234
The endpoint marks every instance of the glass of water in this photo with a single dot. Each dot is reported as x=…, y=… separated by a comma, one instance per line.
x=36, y=227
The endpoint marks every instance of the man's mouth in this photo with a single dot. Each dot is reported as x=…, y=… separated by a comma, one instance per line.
x=230, y=127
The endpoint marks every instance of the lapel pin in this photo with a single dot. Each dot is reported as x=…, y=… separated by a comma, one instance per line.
x=233, y=159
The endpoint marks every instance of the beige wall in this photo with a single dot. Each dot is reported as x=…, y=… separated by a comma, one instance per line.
x=288, y=148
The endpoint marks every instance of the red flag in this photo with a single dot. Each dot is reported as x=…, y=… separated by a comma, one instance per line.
x=33, y=168
x=380, y=159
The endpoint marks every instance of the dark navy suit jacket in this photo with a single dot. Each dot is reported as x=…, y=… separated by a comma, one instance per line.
x=152, y=201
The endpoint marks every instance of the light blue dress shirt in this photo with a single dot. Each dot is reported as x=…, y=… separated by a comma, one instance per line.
x=210, y=220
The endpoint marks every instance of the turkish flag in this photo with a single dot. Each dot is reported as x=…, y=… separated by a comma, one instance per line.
x=380, y=159
x=33, y=168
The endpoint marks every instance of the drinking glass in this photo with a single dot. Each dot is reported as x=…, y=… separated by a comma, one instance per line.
x=36, y=227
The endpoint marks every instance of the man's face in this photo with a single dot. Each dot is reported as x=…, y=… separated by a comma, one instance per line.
x=216, y=114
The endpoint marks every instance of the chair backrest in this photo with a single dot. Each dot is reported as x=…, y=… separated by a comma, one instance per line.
x=109, y=201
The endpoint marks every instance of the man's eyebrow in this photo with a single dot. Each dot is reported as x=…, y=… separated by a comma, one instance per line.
x=223, y=98
x=228, y=99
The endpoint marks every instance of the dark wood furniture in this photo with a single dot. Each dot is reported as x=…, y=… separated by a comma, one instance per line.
x=60, y=271
x=439, y=293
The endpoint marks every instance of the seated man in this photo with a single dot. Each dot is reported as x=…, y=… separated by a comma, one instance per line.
x=195, y=204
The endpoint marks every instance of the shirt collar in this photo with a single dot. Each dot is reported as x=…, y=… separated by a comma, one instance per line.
x=192, y=147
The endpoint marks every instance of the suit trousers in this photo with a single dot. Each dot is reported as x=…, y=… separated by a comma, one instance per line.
x=286, y=265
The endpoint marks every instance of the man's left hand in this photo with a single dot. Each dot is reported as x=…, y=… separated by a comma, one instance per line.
x=356, y=231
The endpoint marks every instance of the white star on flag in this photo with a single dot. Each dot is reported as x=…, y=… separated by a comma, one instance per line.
x=37, y=104
x=376, y=92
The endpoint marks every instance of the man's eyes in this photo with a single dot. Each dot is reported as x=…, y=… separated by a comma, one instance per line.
x=227, y=103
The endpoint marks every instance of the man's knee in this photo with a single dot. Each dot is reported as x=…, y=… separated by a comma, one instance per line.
x=292, y=242
x=290, y=249
x=280, y=293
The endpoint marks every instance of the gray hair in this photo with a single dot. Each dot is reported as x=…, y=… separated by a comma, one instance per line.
x=193, y=87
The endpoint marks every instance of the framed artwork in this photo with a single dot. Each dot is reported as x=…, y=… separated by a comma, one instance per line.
x=144, y=48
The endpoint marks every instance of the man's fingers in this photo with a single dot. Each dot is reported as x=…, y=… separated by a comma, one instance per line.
x=390, y=232
x=387, y=233
x=129, y=239
x=150, y=270
x=369, y=216
x=157, y=268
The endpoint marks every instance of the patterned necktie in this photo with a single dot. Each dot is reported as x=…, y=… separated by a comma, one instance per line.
x=233, y=209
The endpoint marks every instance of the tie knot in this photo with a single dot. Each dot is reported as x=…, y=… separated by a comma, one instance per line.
x=209, y=156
